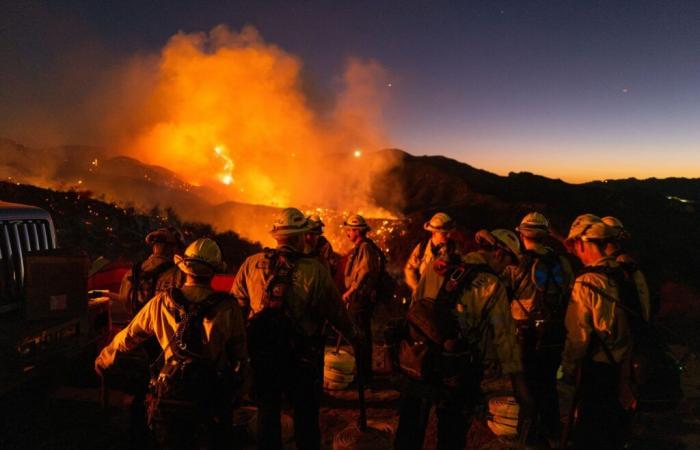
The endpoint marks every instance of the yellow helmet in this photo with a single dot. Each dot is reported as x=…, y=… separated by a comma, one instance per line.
x=534, y=224
x=505, y=239
x=202, y=258
x=316, y=224
x=589, y=227
x=440, y=222
x=618, y=230
x=357, y=222
x=288, y=222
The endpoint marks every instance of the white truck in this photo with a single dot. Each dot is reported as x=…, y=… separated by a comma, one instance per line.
x=47, y=321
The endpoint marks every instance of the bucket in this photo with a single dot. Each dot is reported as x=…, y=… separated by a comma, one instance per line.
x=338, y=370
x=503, y=416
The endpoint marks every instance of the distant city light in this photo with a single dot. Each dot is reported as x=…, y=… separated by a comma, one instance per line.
x=678, y=199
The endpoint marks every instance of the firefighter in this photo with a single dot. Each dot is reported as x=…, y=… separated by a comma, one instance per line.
x=486, y=337
x=538, y=286
x=289, y=296
x=598, y=341
x=317, y=245
x=202, y=337
x=616, y=248
x=440, y=245
x=363, y=269
x=155, y=274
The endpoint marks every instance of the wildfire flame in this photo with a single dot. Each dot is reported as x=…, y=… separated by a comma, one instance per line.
x=227, y=176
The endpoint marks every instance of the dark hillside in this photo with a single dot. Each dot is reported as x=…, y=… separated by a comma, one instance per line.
x=104, y=229
x=661, y=215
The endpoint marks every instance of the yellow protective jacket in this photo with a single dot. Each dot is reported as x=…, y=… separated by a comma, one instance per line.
x=422, y=258
x=499, y=343
x=170, y=278
x=592, y=309
x=312, y=299
x=518, y=280
x=363, y=266
x=223, y=328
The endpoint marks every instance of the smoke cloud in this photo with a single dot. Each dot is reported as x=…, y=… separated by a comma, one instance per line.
x=228, y=113
x=227, y=110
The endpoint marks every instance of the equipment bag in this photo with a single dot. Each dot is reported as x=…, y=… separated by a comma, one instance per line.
x=188, y=383
x=544, y=326
x=274, y=338
x=386, y=285
x=143, y=284
x=654, y=370
x=431, y=323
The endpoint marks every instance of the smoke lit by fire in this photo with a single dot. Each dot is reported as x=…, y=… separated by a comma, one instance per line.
x=229, y=114
x=227, y=110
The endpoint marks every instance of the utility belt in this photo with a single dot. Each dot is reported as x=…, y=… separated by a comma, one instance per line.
x=274, y=338
x=425, y=361
x=540, y=334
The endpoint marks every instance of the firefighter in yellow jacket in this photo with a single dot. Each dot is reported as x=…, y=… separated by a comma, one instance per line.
x=538, y=286
x=598, y=341
x=289, y=296
x=439, y=245
x=484, y=315
x=202, y=337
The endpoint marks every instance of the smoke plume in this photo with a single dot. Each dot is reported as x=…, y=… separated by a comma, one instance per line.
x=227, y=112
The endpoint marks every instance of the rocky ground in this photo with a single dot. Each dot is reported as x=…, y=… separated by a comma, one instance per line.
x=71, y=418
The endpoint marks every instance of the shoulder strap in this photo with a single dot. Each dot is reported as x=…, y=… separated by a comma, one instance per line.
x=380, y=252
x=135, y=282
x=606, y=296
x=423, y=246
x=192, y=312
x=155, y=274
x=458, y=278
x=524, y=267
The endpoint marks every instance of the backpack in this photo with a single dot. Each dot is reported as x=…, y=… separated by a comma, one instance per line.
x=544, y=325
x=423, y=247
x=189, y=383
x=437, y=345
x=386, y=285
x=629, y=300
x=143, y=284
x=274, y=337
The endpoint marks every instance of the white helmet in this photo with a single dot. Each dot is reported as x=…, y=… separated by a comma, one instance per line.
x=202, y=258
x=290, y=221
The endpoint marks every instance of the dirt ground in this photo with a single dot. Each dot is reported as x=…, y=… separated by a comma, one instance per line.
x=71, y=418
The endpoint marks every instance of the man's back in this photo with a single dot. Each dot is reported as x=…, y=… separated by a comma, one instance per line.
x=312, y=297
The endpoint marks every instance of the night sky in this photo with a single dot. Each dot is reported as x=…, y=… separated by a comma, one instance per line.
x=577, y=90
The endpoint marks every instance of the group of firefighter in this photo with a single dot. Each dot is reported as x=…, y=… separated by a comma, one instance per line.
x=511, y=309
